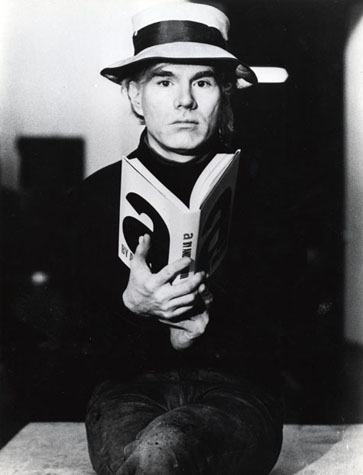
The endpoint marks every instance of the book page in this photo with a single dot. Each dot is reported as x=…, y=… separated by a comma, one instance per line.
x=158, y=186
x=144, y=209
x=212, y=173
x=216, y=211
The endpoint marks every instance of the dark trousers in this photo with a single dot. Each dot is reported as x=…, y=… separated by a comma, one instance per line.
x=183, y=422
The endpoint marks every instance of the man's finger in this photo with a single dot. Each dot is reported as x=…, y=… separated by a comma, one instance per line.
x=169, y=272
x=187, y=286
x=142, y=249
x=177, y=316
x=206, y=294
x=187, y=299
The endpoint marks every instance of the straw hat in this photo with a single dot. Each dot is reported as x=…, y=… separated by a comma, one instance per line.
x=180, y=32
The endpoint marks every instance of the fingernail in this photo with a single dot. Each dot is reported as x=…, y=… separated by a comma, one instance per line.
x=141, y=239
x=202, y=288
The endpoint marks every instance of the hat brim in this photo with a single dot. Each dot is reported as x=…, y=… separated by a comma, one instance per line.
x=181, y=52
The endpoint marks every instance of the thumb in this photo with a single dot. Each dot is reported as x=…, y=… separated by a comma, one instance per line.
x=142, y=249
x=206, y=295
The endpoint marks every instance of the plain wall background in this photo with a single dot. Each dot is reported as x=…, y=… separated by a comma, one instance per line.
x=354, y=178
x=50, y=57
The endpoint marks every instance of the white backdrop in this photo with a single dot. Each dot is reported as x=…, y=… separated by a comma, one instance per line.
x=51, y=52
x=354, y=180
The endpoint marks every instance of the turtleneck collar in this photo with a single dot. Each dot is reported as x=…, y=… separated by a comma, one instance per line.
x=178, y=177
x=144, y=146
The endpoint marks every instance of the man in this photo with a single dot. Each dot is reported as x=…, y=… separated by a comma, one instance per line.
x=192, y=369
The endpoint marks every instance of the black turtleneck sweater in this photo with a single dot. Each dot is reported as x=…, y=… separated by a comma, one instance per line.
x=251, y=289
x=177, y=177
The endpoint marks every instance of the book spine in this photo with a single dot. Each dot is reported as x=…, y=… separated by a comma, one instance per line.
x=184, y=243
x=124, y=251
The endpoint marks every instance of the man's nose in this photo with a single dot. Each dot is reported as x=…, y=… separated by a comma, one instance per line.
x=185, y=98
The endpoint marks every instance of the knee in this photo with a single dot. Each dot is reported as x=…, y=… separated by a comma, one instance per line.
x=150, y=457
x=159, y=449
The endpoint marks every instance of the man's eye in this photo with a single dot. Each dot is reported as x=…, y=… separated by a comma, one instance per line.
x=203, y=83
x=164, y=83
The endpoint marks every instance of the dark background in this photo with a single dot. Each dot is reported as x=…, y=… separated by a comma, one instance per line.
x=294, y=132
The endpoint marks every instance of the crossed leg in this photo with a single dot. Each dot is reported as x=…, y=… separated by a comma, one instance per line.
x=162, y=426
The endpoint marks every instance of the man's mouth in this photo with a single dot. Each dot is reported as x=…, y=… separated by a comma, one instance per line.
x=185, y=121
x=185, y=124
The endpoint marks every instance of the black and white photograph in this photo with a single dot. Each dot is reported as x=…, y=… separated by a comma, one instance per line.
x=181, y=237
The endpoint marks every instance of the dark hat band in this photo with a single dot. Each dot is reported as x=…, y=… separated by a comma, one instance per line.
x=171, y=31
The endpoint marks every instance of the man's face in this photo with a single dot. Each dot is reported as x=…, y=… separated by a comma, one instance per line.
x=180, y=104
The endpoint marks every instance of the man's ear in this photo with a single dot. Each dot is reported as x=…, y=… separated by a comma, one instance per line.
x=134, y=93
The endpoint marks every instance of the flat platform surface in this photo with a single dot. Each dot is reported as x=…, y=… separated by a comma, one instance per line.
x=61, y=449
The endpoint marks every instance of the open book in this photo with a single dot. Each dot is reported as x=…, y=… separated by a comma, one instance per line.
x=199, y=231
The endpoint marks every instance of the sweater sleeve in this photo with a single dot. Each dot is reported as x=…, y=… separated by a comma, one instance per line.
x=97, y=323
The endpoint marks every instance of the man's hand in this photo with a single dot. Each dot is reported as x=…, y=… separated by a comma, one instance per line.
x=183, y=334
x=151, y=294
